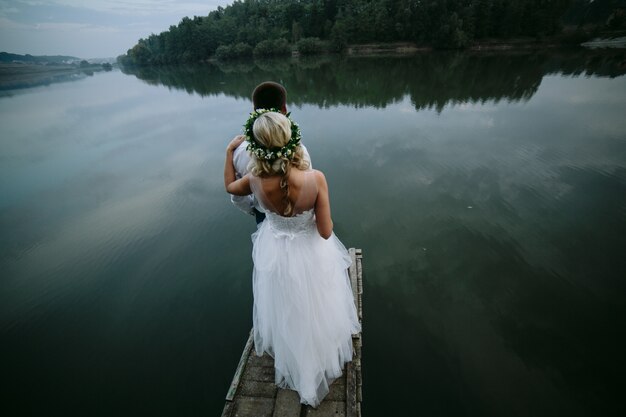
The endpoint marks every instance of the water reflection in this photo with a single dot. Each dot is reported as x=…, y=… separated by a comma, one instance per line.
x=492, y=221
x=431, y=80
x=21, y=79
x=509, y=291
x=493, y=258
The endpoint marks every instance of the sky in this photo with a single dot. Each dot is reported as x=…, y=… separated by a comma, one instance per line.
x=89, y=28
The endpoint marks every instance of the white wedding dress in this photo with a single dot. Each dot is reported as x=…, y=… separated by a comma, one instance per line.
x=304, y=312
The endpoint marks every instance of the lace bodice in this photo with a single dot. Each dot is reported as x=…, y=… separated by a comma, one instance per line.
x=300, y=224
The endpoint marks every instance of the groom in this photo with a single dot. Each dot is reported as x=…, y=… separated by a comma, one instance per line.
x=267, y=95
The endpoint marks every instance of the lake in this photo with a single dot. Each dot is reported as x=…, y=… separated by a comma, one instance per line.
x=487, y=191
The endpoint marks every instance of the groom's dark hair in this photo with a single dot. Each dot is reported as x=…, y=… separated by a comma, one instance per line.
x=270, y=95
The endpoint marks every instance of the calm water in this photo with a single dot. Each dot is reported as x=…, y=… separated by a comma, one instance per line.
x=488, y=193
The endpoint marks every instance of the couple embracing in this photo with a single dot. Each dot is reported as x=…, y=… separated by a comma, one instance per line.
x=304, y=313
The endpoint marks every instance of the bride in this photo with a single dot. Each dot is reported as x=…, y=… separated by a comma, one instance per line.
x=304, y=312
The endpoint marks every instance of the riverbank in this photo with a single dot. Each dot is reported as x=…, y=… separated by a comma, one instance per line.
x=563, y=41
x=403, y=48
x=14, y=75
x=515, y=44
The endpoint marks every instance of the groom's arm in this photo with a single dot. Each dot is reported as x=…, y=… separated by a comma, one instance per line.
x=233, y=185
x=241, y=159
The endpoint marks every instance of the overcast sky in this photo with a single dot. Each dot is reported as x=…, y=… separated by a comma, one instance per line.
x=89, y=28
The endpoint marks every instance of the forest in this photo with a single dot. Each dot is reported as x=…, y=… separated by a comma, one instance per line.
x=276, y=27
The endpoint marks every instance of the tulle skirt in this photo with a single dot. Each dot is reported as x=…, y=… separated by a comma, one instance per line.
x=304, y=312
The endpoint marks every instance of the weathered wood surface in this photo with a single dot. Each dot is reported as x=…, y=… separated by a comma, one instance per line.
x=253, y=393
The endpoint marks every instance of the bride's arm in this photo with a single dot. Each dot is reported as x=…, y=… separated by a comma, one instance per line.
x=233, y=185
x=322, y=207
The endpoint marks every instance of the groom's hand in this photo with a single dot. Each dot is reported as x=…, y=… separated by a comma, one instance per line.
x=235, y=143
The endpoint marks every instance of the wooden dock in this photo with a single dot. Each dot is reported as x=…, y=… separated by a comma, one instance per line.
x=253, y=393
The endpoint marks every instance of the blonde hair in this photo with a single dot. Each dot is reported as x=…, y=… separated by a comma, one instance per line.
x=273, y=130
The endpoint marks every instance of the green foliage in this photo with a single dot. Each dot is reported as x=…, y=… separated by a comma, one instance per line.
x=451, y=34
x=310, y=46
x=239, y=50
x=338, y=37
x=272, y=47
x=242, y=50
x=266, y=25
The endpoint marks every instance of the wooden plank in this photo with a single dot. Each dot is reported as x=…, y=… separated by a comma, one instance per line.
x=357, y=366
x=350, y=405
x=351, y=409
x=359, y=284
x=358, y=343
x=265, y=360
x=253, y=407
x=337, y=390
x=259, y=373
x=240, y=368
x=327, y=409
x=257, y=389
x=287, y=404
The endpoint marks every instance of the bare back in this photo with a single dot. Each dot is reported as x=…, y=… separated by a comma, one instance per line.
x=302, y=191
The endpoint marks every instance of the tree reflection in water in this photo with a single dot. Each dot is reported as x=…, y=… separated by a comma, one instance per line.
x=431, y=80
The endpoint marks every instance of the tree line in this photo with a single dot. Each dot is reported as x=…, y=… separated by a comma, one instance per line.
x=6, y=57
x=274, y=27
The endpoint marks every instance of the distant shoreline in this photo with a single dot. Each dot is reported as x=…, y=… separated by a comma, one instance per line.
x=18, y=75
x=494, y=45
x=521, y=44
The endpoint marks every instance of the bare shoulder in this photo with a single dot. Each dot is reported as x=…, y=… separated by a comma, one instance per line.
x=319, y=175
x=320, y=179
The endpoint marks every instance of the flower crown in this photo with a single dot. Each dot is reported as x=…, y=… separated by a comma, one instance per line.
x=270, y=154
